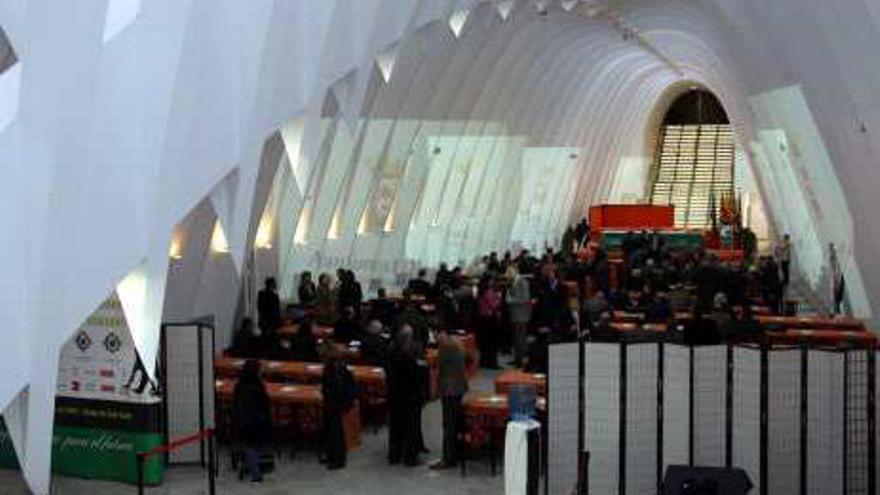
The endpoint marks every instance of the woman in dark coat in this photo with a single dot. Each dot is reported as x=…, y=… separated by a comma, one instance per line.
x=252, y=418
x=338, y=390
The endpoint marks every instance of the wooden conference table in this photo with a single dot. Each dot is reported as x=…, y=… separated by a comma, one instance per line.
x=486, y=415
x=370, y=379
x=812, y=322
x=824, y=337
x=508, y=379
x=297, y=411
x=625, y=327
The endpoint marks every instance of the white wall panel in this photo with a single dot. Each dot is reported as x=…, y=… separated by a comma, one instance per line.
x=710, y=386
x=825, y=423
x=746, y=439
x=563, y=416
x=783, y=421
x=676, y=397
x=603, y=416
x=641, y=418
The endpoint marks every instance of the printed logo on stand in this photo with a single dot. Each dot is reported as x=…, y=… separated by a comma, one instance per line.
x=112, y=343
x=83, y=341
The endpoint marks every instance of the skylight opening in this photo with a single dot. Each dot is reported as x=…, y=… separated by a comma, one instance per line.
x=457, y=21
x=120, y=15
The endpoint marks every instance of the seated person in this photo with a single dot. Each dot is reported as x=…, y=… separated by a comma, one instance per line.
x=602, y=328
x=281, y=350
x=420, y=286
x=646, y=298
x=633, y=303
x=375, y=345
x=248, y=342
x=701, y=331
x=635, y=280
x=304, y=345
x=347, y=327
x=593, y=307
x=384, y=309
x=616, y=299
x=722, y=315
x=746, y=324
x=659, y=311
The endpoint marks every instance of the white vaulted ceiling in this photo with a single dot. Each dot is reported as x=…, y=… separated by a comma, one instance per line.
x=121, y=116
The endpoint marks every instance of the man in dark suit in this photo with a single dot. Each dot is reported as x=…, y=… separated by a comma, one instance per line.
x=405, y=394
x=269, y=308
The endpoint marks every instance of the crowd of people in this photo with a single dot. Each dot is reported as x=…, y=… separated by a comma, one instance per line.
x=516, y=304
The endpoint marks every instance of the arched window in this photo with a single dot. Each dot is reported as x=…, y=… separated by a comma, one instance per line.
x=693, y=167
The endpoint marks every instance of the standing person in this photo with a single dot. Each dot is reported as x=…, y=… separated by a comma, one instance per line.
x=269, y=308
x=489, y=319
x=411, y=315
x=601, y=270
x=838, y=284
x=403, y=393
x=252, y=418
x=771, y=286
x=783, y=254
x=443, y=279
x=349, y=292
x=338, y=390
x=551, y=300
x=570, y=243
x=325, y=309
x=453, y=385
x=538, y=356
x=307, y=292
x=520, y=302
x=582, y=232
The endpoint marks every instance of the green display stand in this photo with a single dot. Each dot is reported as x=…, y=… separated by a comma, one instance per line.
x=675, y=240
x=98, y=440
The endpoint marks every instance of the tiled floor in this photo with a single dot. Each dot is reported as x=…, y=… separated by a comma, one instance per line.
x=367, y=473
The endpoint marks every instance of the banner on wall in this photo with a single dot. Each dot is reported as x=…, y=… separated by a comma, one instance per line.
x=106, y=406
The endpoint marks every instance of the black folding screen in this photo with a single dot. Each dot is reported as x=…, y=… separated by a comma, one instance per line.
x=798, y=420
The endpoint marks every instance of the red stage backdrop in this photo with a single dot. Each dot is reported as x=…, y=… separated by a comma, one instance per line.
x=632, y=217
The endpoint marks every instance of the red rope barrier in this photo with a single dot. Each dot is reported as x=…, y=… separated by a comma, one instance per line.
x=141, y=457
x=176, y=444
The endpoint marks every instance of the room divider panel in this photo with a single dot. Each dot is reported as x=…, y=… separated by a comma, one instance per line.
x=796, y=419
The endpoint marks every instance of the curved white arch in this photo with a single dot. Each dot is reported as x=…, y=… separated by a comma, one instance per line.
x=113, y=144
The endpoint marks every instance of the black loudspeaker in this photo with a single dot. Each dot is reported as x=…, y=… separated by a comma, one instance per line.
x=687, y=480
